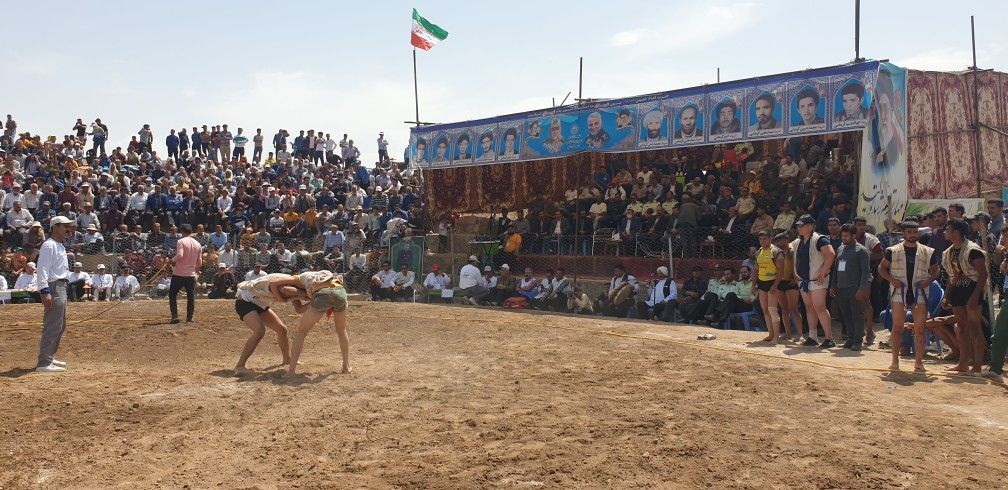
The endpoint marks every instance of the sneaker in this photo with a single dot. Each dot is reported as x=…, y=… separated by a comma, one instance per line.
x=809, y=342
x=848, y=344
x=473, y=301
x=58, y=363
x=856, y=348
x=991, y=374
x=827, y=344
x=175, y=321
x=52, y=368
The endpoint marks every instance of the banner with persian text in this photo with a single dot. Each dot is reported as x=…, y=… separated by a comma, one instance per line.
x=814, y=101
x=883, y=190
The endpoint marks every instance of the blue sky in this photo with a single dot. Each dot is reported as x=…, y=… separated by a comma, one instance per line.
x=346, y=67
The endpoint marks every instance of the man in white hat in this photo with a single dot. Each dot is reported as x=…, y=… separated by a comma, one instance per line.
x=92, y=240
x=77, y=279
x=53, y=272
x=663, y=297
x=469, y=282
x=27, y=280
x=101, y=284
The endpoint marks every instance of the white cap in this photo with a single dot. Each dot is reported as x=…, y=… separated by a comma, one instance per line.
x=505, y=266
x=663, y=270
x=472, y=258
x=377, y=188
x=100, y=266
x=61, y=220
x=31, y=264
x=488, y=269
x=222, y=265
x=78, y=264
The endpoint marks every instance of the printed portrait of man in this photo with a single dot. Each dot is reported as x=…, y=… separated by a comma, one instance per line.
x=808, y=107
x=534, y=130
x=623, y=119
x=852, y=97
x=688, y=123
x=462, y=151
x=555, y=141
x=441, y=150
x=764, y=106
x=597, y=137
x=726, y=121
x=486, y=144
x=510, y=138
x=652, y=124
x=421, y=150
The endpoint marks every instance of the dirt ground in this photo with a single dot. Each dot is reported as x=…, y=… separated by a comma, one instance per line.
x=464, y=397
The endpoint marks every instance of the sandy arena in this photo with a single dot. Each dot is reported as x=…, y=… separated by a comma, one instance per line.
x=464, y=397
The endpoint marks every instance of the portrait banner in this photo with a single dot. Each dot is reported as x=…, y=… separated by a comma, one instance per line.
x=440, y=149
x=883, y=189
x=851, y=99
x=689, y=120
x=486, y=143
x=808, y=106
x=462, y=146
x=509, y=134
x=775, y=106
x=765, y=114
x=653, y=128
x=725, y=115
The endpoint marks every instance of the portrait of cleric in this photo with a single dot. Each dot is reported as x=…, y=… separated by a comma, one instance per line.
x=653, y=129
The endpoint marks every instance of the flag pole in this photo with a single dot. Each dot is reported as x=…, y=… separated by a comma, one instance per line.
x=416, y=96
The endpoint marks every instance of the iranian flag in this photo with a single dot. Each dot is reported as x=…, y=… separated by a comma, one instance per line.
x=425, y=33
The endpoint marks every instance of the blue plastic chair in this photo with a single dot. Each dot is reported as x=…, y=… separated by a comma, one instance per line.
x=744, y=316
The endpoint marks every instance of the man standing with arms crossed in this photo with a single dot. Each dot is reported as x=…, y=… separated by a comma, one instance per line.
x=909, y=267
x=188, y=260
x=53, y=271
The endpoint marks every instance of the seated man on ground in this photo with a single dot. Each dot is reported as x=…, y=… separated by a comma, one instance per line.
x=438, y=285
x=662, y=298
x=382, y=283
x=504, y=286
x=125, y=285
x=619, y=297
x=471, y=282
x=223, y=284
x=579, y=302
x=76, y=282
x=402, y=283
x=101, y=284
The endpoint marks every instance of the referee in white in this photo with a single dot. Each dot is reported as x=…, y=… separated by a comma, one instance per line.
x=52, y=273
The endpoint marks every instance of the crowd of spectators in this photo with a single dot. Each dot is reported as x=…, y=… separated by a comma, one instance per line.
x=717, y=205
x=287, y=204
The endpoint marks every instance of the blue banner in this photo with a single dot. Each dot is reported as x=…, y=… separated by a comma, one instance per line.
x=816, y=101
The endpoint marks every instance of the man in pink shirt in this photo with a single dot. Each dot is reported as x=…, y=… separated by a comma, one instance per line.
x=188, y=259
